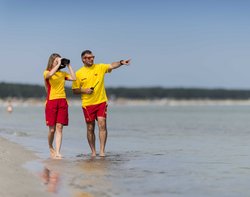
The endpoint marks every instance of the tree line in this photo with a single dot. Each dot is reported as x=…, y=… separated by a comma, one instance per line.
x=17, y=90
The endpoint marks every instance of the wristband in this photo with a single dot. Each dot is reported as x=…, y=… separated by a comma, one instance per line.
x=121, y=62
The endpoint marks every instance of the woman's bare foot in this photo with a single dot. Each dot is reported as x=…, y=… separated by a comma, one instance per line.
x=52, y=152
x=102, y=154
x=57, y=156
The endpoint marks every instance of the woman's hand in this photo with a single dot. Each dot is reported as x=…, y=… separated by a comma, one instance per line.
x=55, y=65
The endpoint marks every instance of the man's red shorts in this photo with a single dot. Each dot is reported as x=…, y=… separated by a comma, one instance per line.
x=91, y=112
x=56, y=111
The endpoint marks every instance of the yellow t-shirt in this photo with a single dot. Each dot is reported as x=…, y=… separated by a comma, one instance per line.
x=87, y=77
x=56, y=85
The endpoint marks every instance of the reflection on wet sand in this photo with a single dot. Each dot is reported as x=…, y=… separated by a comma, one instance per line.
x=88, y=177
x=83, y=194
x=51, y=179
x=93, y=178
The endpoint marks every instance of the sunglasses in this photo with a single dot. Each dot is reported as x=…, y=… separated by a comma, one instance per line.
x=90, y=57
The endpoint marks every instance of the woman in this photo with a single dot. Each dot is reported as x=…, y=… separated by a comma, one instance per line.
x=56, y=110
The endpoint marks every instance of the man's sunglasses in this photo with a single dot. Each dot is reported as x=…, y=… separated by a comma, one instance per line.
x=90, y=57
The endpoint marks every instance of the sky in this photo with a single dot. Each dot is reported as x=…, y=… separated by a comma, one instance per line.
x=172, y=43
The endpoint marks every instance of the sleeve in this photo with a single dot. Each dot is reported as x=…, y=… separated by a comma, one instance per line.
x=66, y=76
x=45, y=73
x=76, y=84
x=105, y=68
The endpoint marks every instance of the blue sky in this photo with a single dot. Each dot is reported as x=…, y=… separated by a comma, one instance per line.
x=178, y=43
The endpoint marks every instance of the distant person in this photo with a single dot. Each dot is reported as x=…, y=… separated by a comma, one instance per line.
x=90, y=84
x=56, y=110
x=9, y=107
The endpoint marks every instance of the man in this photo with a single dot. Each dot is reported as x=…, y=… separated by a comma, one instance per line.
x=90, y=84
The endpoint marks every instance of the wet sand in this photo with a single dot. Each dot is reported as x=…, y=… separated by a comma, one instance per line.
x=15, y=180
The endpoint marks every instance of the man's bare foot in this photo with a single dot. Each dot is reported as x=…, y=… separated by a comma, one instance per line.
x=93, y=154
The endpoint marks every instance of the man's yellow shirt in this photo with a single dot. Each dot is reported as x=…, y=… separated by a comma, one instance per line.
x=56, y=85
x=87, y=77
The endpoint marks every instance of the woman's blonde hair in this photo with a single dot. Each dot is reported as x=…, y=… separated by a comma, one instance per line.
x=51, y=60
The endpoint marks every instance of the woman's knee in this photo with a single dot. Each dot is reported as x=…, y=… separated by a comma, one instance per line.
x=52, y=129
x=59, y=127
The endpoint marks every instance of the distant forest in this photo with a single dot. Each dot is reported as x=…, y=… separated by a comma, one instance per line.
x=10, y=90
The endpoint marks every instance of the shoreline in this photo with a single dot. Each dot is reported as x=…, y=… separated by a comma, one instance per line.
x=132, y=102
x=15, y=179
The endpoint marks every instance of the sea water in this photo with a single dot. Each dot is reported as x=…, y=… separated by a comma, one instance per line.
x=152, y=150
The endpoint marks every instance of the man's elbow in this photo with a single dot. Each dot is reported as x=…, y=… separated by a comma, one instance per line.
x=75, y=91
x=110, y=68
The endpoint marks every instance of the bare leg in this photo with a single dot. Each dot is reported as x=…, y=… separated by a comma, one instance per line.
x=102, y=134
x=50, y=140
x=91, y=136
x=59, y=128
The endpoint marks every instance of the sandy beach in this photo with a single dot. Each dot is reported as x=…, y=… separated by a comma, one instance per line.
x=15, y=180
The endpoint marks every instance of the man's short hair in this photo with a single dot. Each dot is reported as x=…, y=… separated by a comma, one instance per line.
x=86, y=52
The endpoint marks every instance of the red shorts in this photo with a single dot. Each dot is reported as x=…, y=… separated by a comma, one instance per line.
x=91, y=112
x=56, y=111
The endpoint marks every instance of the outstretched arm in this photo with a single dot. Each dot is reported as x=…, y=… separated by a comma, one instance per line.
x=115, y=65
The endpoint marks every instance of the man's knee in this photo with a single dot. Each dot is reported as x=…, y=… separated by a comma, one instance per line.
x=91, y=127
x=102, y=124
